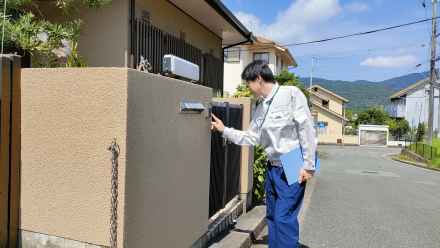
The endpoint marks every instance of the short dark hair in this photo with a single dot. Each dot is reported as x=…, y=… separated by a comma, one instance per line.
x=258, y=68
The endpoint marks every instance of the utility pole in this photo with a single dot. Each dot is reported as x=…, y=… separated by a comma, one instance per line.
x=432, y=77
x=311, y=72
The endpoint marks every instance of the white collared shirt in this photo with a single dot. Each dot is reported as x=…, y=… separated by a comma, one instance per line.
x=287, y=126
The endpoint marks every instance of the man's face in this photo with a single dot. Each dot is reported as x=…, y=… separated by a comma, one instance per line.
x=255, y=86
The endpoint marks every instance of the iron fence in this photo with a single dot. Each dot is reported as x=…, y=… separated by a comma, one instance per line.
x=153, y=43
x=426, y=151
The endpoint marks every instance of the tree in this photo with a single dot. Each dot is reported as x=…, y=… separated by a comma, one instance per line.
x=398, y=128
x=421, y=129
x=28, y=32
x=372, y=116
x=284, y=78
x=288, y=78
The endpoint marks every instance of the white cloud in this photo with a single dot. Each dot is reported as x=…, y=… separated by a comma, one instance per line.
x=294, y=23
x=357, y=7
x=252, y=22
x=390, y=61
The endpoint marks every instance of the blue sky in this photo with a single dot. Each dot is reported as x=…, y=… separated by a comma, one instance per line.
x=372, y=57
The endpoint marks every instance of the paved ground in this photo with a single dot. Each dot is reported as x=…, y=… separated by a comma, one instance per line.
x=363, y=199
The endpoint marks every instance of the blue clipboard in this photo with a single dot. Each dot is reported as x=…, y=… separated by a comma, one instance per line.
x=292, y=163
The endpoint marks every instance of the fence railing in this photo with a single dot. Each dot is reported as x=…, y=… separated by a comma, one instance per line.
x=426, y=151
x=153, y=43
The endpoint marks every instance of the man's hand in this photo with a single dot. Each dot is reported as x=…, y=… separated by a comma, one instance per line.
x=217, y=124
x=305, y=175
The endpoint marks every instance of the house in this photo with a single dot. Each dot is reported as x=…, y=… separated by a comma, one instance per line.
x=119, y=34
x=236, y=58
x=328, y=112
x=412, y=103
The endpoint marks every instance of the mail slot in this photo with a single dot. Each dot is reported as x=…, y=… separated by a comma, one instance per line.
x=191, y=107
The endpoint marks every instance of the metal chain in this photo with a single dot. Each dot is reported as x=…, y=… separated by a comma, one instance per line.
x=114, y=149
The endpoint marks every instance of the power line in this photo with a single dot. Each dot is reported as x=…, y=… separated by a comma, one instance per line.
x=353, y=34
x=360, y=33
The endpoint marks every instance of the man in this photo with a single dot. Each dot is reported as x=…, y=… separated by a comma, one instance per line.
x=281, y=122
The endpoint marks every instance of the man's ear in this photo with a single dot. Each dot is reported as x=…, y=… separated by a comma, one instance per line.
x=260, y=79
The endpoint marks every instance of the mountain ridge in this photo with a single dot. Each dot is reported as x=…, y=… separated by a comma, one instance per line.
x=363, y=93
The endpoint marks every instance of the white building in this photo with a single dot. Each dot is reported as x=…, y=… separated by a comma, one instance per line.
x=236, y=58
x=412, y=104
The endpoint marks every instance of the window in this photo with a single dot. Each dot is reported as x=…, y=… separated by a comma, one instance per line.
x=262, y=56
x=232, y=55
x=325, y=103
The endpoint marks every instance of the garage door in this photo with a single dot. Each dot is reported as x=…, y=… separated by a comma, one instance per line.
x=373, y=138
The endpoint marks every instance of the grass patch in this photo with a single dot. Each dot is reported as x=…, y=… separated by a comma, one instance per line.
x=433, y=164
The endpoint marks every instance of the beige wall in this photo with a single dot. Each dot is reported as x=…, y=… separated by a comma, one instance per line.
x=167, y=17
x=104, y=32
x=69, y=118
x=351, y=139
x=335, y=104
x=232, y=71
x=334, y=128
x=105, y=35
x=168, y=163
x=232, y=77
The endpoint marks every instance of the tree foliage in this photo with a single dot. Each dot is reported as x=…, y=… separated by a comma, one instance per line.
x=398, y=128
x=421, y=130
x=28, y=31
x=372, y=116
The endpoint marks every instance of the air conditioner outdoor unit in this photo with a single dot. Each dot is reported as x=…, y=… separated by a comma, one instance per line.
x=178, y=67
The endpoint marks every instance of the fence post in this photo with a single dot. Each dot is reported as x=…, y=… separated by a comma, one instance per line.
x=431, y=153
x=225, y=166
x=10, y=138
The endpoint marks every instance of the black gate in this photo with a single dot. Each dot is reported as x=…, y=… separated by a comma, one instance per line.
x=225, y=159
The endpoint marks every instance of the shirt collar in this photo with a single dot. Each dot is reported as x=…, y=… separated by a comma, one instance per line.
x=270, y=96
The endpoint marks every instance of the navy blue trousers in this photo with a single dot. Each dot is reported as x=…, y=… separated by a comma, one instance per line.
x=283, y=203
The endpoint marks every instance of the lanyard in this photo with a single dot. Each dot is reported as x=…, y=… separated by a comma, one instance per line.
x=268, y=108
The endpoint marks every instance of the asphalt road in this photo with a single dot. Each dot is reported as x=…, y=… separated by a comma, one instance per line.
x=362, y=198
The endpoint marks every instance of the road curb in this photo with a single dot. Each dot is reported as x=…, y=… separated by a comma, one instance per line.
x=420, y=165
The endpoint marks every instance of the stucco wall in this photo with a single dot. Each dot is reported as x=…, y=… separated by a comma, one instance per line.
x=232, y=71
x=69, y=118
x=104, y=32
x=167, y=17
x=334, y=127
x=168, y=163
x=232, y=77
x=105, y=35
x=417, y=108
x=335, y=104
